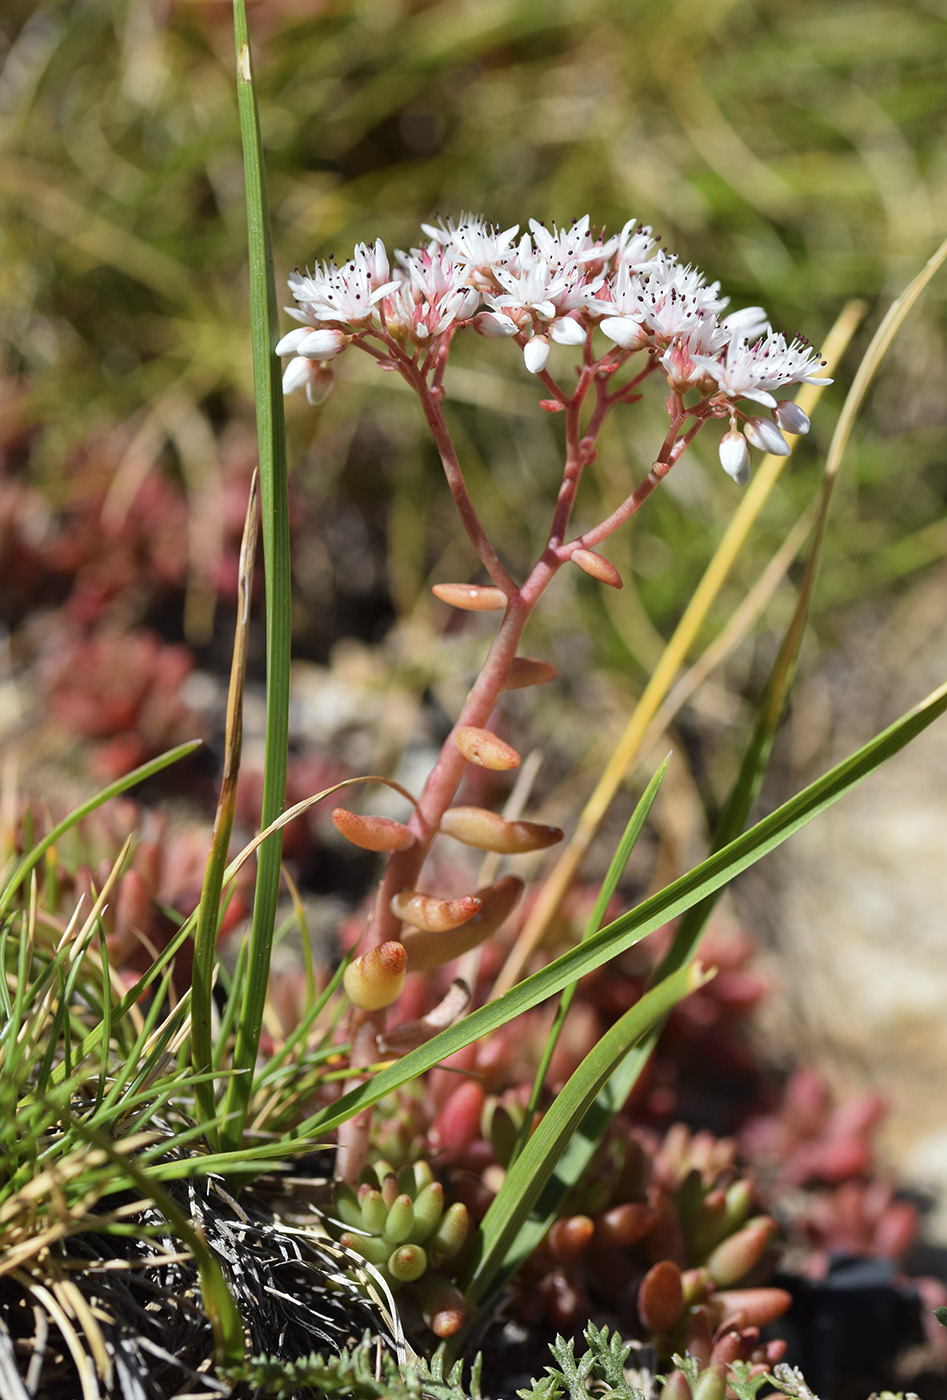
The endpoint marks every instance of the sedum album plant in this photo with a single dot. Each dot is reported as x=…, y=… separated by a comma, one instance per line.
x=611, y=313
x=159, y=1115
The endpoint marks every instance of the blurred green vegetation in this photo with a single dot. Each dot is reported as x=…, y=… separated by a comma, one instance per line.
x=796, y=153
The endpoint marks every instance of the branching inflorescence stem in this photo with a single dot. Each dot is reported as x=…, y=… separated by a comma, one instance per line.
x=560, y=286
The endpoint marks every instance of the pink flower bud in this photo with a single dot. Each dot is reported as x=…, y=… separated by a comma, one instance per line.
x=597, y=567
x=372, y=833
x=471, y=597
x=485, y=749
x=661, y=1298
x=376, y=979
x=488, y=831
x=528, y=670
x=426, y=911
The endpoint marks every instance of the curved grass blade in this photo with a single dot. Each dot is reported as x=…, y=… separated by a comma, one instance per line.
x=499, y=1245
x=614, y=873
x=138, y=775
x=208, y=910
x=711, y=875
x=274, y=503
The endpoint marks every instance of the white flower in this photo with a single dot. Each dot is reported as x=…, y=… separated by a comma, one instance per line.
x=635, y=249
x=473, y=243
x=740, y=373
x=430, y=295
x=347, y=294
x=571, y=247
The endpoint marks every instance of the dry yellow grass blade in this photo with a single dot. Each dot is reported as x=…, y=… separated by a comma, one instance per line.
x=664, y=676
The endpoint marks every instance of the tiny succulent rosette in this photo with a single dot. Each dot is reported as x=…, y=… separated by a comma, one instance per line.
x=401, y=1223
x=555, y=287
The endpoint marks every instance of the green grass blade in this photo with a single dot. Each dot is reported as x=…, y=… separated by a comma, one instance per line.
x=711, y=875
x=499, y=1247
x=32, y=858
x=274, y=500
x=614, y=873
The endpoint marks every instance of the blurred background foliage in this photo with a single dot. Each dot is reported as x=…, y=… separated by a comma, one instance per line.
x=796, y=153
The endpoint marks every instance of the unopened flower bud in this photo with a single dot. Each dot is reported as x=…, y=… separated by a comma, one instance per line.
x=488, y=831
x=764, y=434
x=442, y=1304
x=407, y=1263
x=536, y=353
x=735, y=456
x=485, y=749
x=661, y=1297
x=598, y=567
x=321, y=344
x=791, y=418
x=320, y=383
x=566, y=330
x=630, y=335
x=471, y=597
x=376, y=979
x=528, y=670
x=426, y=911
x=428, y=950
x=372, y=833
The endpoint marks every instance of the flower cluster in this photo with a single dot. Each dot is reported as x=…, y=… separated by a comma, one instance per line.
x=554, y=286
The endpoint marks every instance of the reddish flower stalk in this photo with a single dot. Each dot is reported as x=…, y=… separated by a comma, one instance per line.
x=549, y=288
